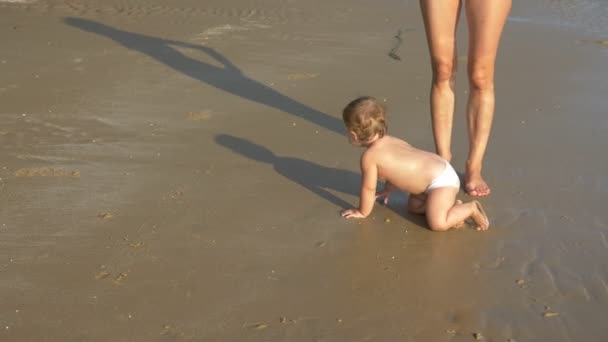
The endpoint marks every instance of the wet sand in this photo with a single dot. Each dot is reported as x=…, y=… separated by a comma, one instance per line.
x=174, y=172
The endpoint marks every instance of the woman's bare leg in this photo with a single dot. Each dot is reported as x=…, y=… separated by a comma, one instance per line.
x=440, y=21
x=486, y=19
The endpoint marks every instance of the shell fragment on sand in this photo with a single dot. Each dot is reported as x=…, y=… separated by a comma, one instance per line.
x=302, y=76
x=104, y=216
x=550, y=314
x=257, y=326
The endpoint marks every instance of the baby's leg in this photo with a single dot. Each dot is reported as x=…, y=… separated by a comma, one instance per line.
x=442, y=213
x=416, y=204
x=462, y=223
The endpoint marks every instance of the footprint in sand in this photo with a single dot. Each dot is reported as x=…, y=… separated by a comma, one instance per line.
x=174, y=194
x=104, y=274
x=217, y=31
x=46, y=172
x=118, y=279
x=136, y=245
x=205, y=115
x=301, y=76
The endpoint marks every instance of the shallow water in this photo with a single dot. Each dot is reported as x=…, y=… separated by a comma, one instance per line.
x=587, y=15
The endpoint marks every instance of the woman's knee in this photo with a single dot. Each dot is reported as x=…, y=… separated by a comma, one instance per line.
x=444, y=71
x=481, y=78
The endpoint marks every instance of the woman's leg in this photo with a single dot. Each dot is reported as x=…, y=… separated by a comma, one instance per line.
x=486, y=19
x=440, y=21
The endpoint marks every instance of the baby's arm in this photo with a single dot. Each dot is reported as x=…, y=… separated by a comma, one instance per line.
x=383, y=195
x=369, y=173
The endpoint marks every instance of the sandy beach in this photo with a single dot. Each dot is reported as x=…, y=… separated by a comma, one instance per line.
x=174, y=171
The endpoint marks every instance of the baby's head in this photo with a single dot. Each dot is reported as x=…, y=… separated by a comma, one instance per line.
x=365, y=119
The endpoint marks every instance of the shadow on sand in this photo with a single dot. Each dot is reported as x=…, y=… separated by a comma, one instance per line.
x=309, y=175
x=228, y=77
x=314, y=177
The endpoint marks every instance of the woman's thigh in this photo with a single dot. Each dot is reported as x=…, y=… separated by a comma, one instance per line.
x=485, y=19
x=440, y=21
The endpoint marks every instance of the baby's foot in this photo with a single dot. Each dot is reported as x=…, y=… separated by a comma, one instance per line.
x=459, y=224
x=480, y=217
x=476, y=186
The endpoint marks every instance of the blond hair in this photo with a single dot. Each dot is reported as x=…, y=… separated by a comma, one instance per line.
x=365, y=117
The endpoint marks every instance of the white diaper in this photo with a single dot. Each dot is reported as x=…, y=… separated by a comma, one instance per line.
x=448, y=178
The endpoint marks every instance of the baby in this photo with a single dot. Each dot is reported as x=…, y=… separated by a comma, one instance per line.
x=431, y=181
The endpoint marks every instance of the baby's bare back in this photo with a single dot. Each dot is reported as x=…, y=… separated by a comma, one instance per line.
x=406, y=167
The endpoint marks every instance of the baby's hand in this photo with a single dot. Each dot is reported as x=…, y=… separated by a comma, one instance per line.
x=352, y=213
x=382, y=196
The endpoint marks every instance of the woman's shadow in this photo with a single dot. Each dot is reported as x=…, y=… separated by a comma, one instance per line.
x=227, y=77
x=316, y=178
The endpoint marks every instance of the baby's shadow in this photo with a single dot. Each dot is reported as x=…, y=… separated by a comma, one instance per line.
x=314, y=177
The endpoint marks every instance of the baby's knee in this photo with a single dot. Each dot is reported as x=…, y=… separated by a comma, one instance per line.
x=438, y=227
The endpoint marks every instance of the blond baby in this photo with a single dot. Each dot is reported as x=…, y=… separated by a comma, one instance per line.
x=430, y=180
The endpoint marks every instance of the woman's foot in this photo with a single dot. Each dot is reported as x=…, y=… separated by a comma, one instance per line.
x=475, y=185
